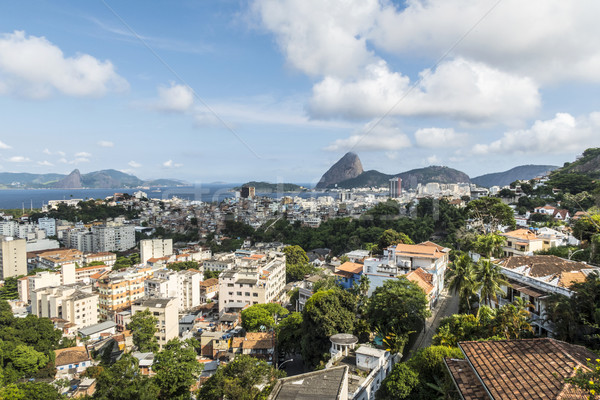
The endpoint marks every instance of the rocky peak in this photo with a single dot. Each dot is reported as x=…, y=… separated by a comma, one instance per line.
x=71, y=181
x=349, y=166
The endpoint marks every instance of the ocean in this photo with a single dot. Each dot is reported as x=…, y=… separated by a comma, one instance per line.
x=36, y=198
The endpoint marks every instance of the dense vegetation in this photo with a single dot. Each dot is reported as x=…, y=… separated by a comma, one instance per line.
x=87, y=211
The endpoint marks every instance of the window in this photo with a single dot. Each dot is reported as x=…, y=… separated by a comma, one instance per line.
x=255, y=294
x=247, y=294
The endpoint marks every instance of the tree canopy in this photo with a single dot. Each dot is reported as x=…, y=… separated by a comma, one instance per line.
x=143, y=328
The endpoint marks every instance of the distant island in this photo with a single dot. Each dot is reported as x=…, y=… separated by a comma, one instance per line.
x=105, y=179
x=266, y=187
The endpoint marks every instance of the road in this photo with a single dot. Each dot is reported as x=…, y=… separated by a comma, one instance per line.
x=447, y=305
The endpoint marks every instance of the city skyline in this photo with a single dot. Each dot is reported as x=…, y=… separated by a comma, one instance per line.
x=279, y=91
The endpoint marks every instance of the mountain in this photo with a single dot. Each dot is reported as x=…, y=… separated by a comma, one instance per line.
x=348, y=167
x=105, y=179
x=525, y=172
x=110, y=178
x=586, y=164
x=433, y=173
x=410, y=179
x=71, y=181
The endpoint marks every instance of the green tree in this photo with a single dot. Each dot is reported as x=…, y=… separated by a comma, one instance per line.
x=399, y=306
x=296, y=264
x=245, y=378
x=183, y=265
x=490, y=244
x=30, y=391
x=399, y=384
x=289, y=334
x=9, y=291
x=255, y=319
x=295, y=255
x=390, y=238
x=326, y=313
x=143, y=328
x=461, y=278
x=489, y=213
x=489, y=278
x=123, y=381
x=176, y=369
x=512, y=320
x=27, y=360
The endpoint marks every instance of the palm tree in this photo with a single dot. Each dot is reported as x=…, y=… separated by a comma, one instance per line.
x=513, y=319
x=489, y=244
x=488, y=279
x=461, y=278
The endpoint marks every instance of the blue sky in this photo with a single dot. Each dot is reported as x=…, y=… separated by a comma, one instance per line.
x=279, y=90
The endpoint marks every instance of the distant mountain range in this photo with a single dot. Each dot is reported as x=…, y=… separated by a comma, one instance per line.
x=525, y=172
x=105, y=179
x=348, y=173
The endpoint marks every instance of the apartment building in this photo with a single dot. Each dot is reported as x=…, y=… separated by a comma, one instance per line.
x=13, y=257
x=48, y=225
x=54, y=259
x=183, y=286
x=120, y=289
x=254, y=281
x=219, y=262
x=80, y=239
x=113, y=238
x=108, y=258
x=155, y=248
x=165, y=312
x=75, y=303
x=27, y=284
x=522, y=242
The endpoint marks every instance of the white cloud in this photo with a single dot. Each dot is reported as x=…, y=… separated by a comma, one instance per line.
x=105, y=143
x=4, y=146
x=171, y=164
x=548, y=40
x=372, y=137
x=80, y=160
x=439, y=137
x=457, y=89
x=61, y=153
x=34, y=67
x=45, y=163
x=83, y=154
x=46, y=151
x=134, y=164
x=562, y=134
x=63, y=160
x=175, y=98
x=321, y=37
x=18, y=159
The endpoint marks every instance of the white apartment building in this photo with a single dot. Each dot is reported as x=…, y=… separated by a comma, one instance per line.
x=219, y=262
x=113, y=238
x=165, y=311
x=182, y=286
x=75, y=303
x=48, y=225
x=254, y=281
x=27, y=284
x=80, y=239
x=13, y=257
x=155, y=248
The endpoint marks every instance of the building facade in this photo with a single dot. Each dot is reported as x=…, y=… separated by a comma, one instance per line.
x=13, y=257
x=155, y=248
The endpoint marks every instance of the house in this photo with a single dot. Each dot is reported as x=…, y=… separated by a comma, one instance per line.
x=209, y=289
x=95, y=332
x=327, y=384
x=348, y=273
x=556, y=213
x=518, y=369
x=425, y=282
x=533, y=278
x=71, y=362
x=521, y=242
x=260, y=345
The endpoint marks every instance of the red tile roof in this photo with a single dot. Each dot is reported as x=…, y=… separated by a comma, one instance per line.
x=351, y=267
x=521, y=369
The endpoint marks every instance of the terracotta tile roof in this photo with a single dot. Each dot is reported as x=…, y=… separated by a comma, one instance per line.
x=351, y=267
x=430, y=243
x=524, y=369
x=521, y=234
x=71, y=355
x=465, y=379
x=258, y=340
x=421, y=278
x=569, y=278
x=547, y=267
x=209, y=282
x=418, y=250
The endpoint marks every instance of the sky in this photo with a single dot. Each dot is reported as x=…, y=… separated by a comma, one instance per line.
x=279, y=90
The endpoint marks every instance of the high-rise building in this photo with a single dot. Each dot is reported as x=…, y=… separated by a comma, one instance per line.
x=76, y=303
x=247, y=192
x=395, y=187
x=13, y=257
x=165, y=312
x=48, y=224
x=155, y=248
x=113, y=238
